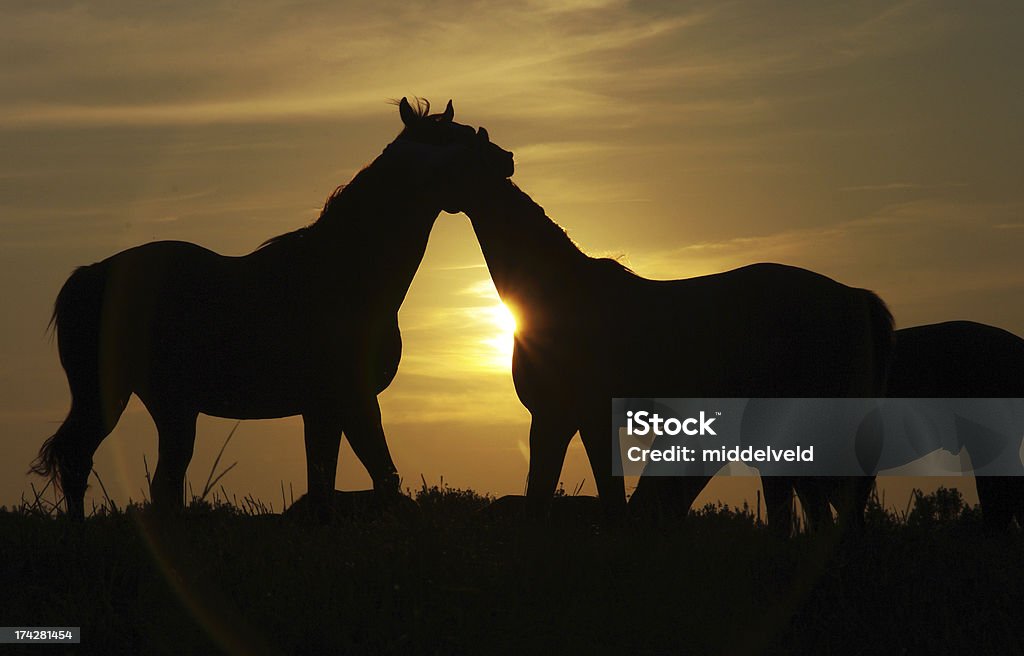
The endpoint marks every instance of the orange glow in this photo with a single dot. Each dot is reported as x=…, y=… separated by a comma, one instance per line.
x=502, y=323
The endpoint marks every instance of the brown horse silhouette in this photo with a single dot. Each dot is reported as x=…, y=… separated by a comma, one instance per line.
x=590, y=330
x=305, y=325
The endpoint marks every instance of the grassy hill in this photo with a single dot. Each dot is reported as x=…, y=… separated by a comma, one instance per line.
x=450, y=579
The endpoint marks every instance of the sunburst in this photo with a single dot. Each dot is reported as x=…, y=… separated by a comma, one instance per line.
x=500, y=343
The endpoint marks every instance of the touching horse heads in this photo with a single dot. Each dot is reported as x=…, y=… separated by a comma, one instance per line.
x=590, y=329
x=952, y=360
x=307, y=324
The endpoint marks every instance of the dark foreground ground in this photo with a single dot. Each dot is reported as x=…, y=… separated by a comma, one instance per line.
x=448, y=580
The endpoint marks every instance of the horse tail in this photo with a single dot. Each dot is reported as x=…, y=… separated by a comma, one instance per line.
x=66, y=456
x=882, y=340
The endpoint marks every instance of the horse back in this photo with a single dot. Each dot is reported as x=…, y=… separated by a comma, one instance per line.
x=763, y=330
x=776, y=330
x=957, y=359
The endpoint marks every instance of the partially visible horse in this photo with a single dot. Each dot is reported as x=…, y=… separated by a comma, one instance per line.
x=953, y=360
x=307, y=324
x=590, y=329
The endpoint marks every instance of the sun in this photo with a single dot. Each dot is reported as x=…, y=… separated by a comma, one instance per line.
x=502, y=338
x=503, y=319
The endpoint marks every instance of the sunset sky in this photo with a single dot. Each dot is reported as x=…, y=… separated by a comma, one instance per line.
x=878, y=143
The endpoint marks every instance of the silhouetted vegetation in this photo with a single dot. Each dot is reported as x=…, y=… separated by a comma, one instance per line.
x=452, y=579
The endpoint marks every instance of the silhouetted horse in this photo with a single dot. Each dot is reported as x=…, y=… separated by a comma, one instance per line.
x=305, y=325
x=590, y=330
x=958, y=359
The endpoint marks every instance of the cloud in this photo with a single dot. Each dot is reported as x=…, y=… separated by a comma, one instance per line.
x=277, y=62
x=120, y=63
x=900, y=186
x=883, y=187
x=424, y=398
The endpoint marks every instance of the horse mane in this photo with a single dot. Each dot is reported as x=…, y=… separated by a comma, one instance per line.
x=332, y=206
x=540, y=220
x=420, y=107
x=611, y=263
x=299, y=233
x=286, y=236
x=557, y=234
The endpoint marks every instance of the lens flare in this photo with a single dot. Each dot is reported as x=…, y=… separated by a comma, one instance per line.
x=503, y=322
x=504, y=319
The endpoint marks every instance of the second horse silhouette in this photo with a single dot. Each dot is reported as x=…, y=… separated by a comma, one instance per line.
x=590, y=329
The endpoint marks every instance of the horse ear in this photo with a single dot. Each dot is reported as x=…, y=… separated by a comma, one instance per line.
x=449, y=113
x=406, y=112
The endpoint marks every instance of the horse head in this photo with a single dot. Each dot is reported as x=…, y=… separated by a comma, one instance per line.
x=452, y=158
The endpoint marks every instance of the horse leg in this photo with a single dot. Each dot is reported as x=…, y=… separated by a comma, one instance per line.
x=995, y=494
x=177, y=440
x=365, y=434
x=549, y=440
x=98, y=398
x=322, y=434
x=74, y=444
x=851, y=514
x=814, y=498
x=778, y=502
x=856, y=490
x=666, y=499
x=98, y=393
x=596, y=434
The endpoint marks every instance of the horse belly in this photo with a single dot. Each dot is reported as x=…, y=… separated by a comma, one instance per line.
x=186, y=328
x=291, y=377
x=205, y=348
x=251, y=393
x=223, y=383
x=755, y=346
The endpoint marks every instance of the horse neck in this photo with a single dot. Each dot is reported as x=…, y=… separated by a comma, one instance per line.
x=528, y=255
x=377, y=230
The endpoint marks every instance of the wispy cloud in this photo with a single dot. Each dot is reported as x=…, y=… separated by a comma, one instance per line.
x=900, y=186
x=278, y=62
x=883, y=187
